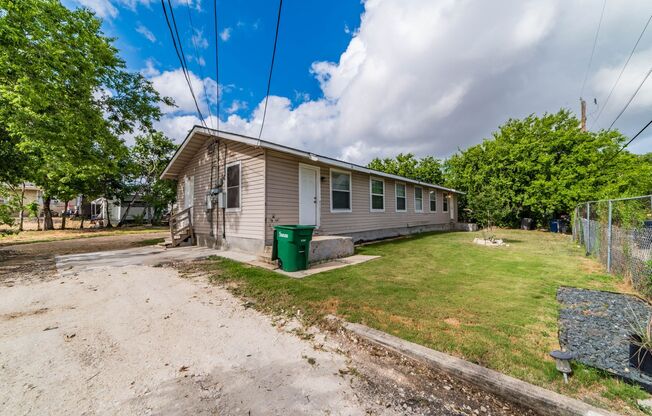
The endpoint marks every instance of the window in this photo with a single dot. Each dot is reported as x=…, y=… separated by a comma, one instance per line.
x=433, y=201
x=400, y=198
x=377, y=189
x=445, y=204
x=418, y=199
x=233, y=186
x=340, y=191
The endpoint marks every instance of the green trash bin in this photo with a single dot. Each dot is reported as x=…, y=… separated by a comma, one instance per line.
x=292, y=246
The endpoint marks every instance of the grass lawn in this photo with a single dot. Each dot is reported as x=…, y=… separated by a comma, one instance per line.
x=494, y=306
x=26, y=237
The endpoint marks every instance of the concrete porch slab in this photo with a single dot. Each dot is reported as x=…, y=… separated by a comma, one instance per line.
x=314, y=269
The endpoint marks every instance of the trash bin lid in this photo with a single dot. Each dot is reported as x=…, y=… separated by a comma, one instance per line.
x=294, y=227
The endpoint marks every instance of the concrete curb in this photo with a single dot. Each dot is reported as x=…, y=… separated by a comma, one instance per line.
x=543, y=401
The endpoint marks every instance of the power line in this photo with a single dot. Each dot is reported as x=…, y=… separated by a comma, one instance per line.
x=201, y=72
x=595, y=41
x=271, y=67
x=622, y=70
x=628, y=143
x=181, y=56
x=217, y=66
x=630, y=99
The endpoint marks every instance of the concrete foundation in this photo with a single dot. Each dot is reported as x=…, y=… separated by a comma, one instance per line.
x=329, y=247
x=245, y=245
x=362, y=236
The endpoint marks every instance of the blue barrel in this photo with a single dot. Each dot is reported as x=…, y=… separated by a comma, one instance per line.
x=554, y=226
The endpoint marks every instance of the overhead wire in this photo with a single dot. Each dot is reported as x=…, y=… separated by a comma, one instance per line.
x=628, y=143
x=622, y=70
x=630, y=99
x=217, y=71
x=197, y=58
x=271, y=68
x=595, y=41
x=176, y=42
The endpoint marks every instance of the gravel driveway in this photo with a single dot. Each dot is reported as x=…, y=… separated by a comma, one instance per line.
x=120, y=332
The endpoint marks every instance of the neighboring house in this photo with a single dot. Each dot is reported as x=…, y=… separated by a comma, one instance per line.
x=103, y=209
x=237, y=188
x=34, y=193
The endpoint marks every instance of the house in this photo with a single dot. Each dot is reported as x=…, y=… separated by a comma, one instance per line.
x=33, y=193
x=103, y=209
x=236, y=188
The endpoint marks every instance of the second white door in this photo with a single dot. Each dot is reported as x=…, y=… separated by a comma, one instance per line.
x=308, y=195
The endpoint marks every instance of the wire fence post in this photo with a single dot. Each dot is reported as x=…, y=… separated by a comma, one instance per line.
x=609, y=239
x=588, y=228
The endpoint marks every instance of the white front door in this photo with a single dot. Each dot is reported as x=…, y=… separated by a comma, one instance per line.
x=308, y=195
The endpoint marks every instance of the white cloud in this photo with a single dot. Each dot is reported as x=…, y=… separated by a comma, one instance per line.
x=237, y=105
x=635, y=72
x=103, y=8
x=146, y=33
x=432, y=77
x=199, y=40
x=173, y=84
x=226, y=34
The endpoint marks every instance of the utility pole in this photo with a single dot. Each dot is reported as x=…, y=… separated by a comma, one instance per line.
x=583, y=107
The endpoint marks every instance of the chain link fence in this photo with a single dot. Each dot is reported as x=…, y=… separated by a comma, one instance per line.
x=619, y=233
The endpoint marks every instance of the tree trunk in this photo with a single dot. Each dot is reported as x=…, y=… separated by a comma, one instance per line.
x=21, y=215
x=124, y=216
x=47, y=215
x=38, y=222
x=108, y=214
x=81, y=212
x=63, y=216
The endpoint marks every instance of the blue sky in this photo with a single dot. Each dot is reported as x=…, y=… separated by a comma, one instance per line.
x=357, y=80
x=310, y=31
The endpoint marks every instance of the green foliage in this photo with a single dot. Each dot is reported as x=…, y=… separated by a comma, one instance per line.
x=427, y=169
x=487, y=207
x=32, y=209
x=66, y=99
x=149, y=156
x=541, y=167
x=10, y=205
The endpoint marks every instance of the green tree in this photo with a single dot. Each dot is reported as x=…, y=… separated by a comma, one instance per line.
x=149, y=156
x=66, y=97
x=427, y=169
x=541, y=167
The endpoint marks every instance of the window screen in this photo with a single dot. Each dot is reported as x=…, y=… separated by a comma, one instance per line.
x=418, y=199
x=400, y=197
x=340, y=191
x=377, y=195
x=233, y=186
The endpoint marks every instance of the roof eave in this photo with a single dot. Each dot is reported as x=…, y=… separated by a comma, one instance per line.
x=285, y=149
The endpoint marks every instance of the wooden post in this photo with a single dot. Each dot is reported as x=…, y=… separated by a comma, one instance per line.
x=609, y=240
x=583, y=109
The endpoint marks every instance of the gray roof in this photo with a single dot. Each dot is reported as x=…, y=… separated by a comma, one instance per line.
x=198, y=134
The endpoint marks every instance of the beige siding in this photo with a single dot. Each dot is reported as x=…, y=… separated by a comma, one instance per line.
x=249, y=221
x=283, y=201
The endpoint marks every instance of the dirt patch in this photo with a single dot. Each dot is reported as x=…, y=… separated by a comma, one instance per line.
x=34, y=262
x=409, y=387
x=452, y=322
